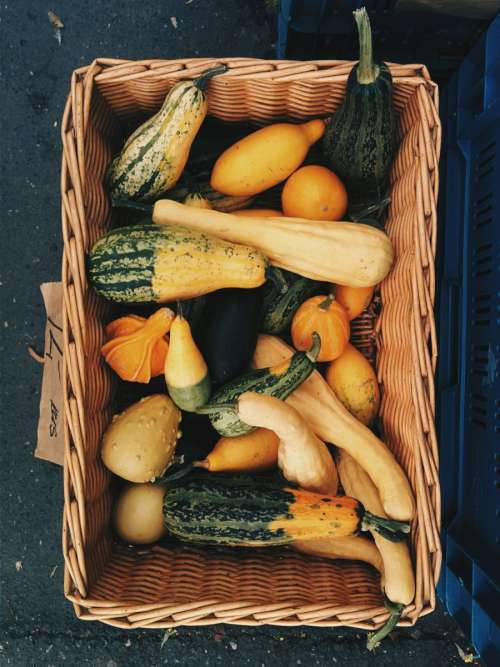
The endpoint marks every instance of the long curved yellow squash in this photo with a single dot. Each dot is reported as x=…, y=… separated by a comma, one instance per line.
x=331, y=422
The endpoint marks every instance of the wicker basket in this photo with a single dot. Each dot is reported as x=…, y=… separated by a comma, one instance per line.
x=166, y=586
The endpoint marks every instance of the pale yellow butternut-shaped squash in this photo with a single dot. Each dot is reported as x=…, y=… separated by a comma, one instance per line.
x=346, y=253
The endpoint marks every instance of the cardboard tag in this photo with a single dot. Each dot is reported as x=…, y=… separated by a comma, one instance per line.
x=50, y=443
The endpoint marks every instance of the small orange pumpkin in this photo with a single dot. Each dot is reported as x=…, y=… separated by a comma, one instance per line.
x=329, y=319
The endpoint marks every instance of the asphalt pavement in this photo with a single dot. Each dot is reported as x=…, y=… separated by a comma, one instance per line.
x=37, y=625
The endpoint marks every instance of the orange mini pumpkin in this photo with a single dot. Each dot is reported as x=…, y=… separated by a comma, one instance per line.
x=329, y=319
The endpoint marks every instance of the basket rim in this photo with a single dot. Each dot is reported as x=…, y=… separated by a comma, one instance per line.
x=73, y=130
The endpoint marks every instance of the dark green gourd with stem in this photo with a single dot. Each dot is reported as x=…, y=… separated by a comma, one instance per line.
x=359, y=142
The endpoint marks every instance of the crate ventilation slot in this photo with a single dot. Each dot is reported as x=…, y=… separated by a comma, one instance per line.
x=483, y=211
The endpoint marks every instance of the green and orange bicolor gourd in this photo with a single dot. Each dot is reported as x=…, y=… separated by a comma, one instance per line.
x=245, y=512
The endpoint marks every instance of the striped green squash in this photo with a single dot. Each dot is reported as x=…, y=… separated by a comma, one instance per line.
x=248, y=512
x=280, y=303
x=359, y=141
x=277, y=381
x=154, y=156
x=160, y=263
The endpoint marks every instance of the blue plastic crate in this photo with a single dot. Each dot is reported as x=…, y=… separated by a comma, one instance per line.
x=469, y=332
x=315, y=29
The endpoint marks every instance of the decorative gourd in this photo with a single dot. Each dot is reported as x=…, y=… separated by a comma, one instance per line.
x=251, y=452
x=399, y=579
x=315, y=193
x=359, y=141
x=246, y=512
x=324, y=315
x=138, y=513
x=331, y=422
x=228, y=336
x=344, y=253
x=258, y=213
x=139, y=355
x=186, y=372
x=302, y=457
x=354, y=547
x=354, y=299
x=355, y=384
x=153, y=157
x=153, y=263
x=279, y=381
x=139, y=443
x=281, y=301
x=264, y=158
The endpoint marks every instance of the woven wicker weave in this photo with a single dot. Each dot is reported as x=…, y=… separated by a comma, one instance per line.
x=172, y=585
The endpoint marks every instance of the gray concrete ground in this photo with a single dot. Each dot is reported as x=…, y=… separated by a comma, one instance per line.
x=38, y=626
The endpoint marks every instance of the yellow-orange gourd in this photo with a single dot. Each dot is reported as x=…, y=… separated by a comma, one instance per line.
x=315, y=193
x=264, y=158
x=250, y=452
x=186, y=372
x=258, y=213
x=355, y=384
x=354, y=299
x=329, y=319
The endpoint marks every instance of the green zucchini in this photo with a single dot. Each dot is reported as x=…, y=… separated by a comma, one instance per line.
x=246, y=512
x=279, y=305
x=359, y=142
x=154, y=156
x=277, y=381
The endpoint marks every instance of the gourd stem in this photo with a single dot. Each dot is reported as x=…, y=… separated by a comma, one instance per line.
x=201, y=81
x=391, y=529
x=127, y=203
x=366, y=71
x=395, y=609
x=312, y=353
x=324, y=305
x=179, y=474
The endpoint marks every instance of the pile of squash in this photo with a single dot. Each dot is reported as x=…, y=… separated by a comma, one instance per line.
x=254, y=342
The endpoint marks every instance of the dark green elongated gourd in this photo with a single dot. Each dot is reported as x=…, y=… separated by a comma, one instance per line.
x=359, y=141
x=245, y=512
x=277, y=381
x=279, y=305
